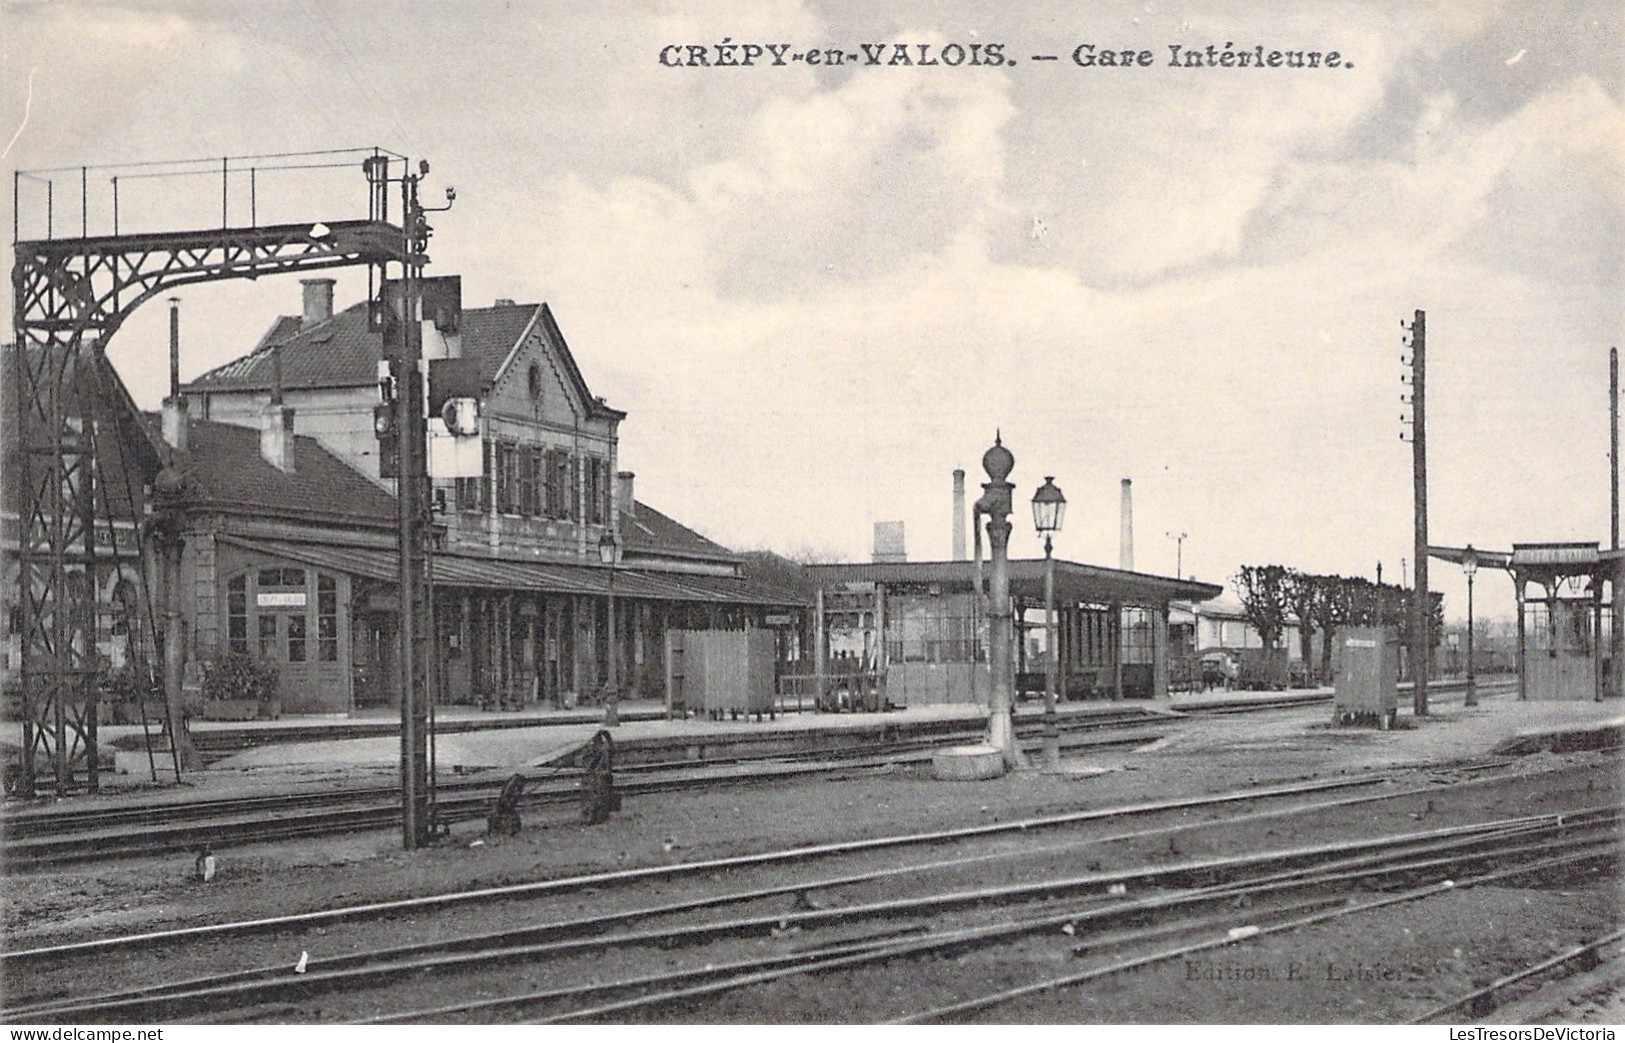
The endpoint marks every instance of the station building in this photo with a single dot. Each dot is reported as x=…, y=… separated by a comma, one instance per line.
x=290, y=532
x=296, y=562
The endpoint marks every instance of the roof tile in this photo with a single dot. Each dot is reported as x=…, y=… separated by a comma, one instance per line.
x=225, y=471
x=344, y=352
x=648, y=529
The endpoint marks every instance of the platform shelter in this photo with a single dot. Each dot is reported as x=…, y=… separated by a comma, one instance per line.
x=1567, y=643
x=913, y=633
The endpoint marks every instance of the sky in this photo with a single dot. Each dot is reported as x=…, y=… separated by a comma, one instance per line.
x=818, y=290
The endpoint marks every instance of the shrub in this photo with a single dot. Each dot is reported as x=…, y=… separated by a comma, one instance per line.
x=238, y=676
x=126, y=684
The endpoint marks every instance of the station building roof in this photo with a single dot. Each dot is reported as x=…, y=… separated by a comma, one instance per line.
x=227, y=475
x=344, y=351
x=1074, y=581
x=472, y=572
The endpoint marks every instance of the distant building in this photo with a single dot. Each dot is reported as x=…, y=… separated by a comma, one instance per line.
x=890, y=543
x=1220, y=623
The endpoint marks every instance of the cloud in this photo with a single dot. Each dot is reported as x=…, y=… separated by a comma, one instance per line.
x=819, y=292
x=1210, y=384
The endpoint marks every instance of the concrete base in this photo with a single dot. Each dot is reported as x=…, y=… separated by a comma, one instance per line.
x=968, y=763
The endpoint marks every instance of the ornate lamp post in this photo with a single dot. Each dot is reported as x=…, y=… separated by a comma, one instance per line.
x=1469, y=565
x=1049, y=507
x=995, y=503
x=609, y=552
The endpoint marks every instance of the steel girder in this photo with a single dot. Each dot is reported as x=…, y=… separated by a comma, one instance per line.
x=69, y=297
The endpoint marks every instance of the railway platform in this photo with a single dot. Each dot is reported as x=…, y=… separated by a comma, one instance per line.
x=319, y=750
x=458, y=720
x=456, y=727
x=317, y=786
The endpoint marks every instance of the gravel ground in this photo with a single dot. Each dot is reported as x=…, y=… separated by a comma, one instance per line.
x=1205, y=757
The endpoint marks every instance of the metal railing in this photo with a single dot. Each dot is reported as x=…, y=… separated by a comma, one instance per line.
x=856, y=690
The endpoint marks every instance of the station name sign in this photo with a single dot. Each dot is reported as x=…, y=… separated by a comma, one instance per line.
x=1560, y=554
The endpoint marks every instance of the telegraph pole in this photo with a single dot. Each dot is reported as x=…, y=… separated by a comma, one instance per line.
x=1613, y=440
x=1617, y=651
x=401, y=313
x=408, y=373
x=1421, y=615
x=1179, y=553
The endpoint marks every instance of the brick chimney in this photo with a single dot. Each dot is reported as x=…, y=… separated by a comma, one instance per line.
x=623, y=494
x=276, y=436
x=276, y=420
x=174, y=415
x=318, y=301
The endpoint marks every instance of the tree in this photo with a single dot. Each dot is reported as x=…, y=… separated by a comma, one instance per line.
x=1302, y=591
x=1397, y=614
x=775, y=570
x=1263, y=590
x=1364, y=602
x=1337, y=599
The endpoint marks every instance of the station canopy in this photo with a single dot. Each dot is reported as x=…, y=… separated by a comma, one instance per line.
x=1075, y=582
x=1539, y=562
x=456, y=571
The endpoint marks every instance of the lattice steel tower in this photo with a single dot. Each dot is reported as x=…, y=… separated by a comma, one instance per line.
x=70, y=296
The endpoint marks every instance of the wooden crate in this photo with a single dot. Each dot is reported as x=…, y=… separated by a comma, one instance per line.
x=1367, y=686
x=720, y=671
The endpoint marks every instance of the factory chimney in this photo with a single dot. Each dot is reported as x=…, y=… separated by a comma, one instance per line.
x=1125, y=538
x=959, y=514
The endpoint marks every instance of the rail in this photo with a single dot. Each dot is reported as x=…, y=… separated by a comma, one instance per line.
x=1190, y=888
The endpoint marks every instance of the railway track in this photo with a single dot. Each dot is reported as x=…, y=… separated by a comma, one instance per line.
x=643, y=953
x=1486, y=862
x=1480, y=1002
x=35, y=839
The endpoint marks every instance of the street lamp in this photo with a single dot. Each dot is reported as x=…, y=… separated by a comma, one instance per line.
x=1469, y=565
x=609, y=552
x=1049, y=507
